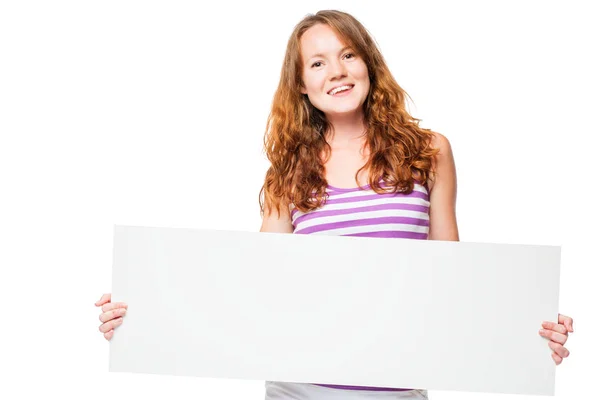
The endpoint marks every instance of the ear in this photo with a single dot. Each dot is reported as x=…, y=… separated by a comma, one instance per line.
x=303, y=89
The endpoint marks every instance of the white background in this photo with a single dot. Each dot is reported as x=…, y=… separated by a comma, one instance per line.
x=153, y=113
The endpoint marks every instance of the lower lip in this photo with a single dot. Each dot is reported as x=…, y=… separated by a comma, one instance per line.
x=344, y=93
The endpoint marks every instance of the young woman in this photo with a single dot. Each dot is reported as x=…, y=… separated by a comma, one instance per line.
x=348, y=159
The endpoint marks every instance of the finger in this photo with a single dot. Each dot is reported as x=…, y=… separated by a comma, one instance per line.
x=557, y=359
x=554, y=336
x=555, y=327
x=107, y=316
x=566, y=321
x=104, y=299
x=112, y=324
x=108, y=335
x=558, y=349
x=112, y=306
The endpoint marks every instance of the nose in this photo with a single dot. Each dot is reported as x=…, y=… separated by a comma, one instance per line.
x=337, y=70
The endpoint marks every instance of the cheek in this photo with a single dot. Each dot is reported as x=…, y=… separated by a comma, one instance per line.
x=361, y=71
x=367, y=81
x=313, y=85
x=365, y=74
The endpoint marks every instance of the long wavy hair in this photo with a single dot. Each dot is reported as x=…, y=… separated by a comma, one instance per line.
x=295, y=136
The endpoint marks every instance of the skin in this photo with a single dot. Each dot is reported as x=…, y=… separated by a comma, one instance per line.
x=111, y=316
x=327, y=63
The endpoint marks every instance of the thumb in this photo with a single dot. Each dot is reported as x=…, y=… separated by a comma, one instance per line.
x=104, y=299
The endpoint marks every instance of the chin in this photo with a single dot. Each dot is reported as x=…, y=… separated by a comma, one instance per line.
x=340, y=113
x=349, y=110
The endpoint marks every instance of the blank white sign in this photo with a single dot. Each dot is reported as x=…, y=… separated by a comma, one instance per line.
x=338, y=310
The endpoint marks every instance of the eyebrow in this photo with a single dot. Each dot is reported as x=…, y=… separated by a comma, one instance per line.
x=321, y=55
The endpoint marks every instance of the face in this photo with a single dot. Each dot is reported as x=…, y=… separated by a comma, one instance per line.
x=335, y=78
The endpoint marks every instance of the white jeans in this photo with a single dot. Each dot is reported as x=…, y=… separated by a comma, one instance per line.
x=307, y=391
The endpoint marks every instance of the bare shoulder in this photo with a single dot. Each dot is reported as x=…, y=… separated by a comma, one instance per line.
x=443, y=163
x=442, y=143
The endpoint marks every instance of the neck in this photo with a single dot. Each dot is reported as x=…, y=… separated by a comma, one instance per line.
x=346, y=129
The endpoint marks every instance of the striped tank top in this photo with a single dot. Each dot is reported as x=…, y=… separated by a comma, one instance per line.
x=362, y=212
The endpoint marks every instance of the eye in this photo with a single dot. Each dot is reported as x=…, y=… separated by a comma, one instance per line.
x=348, y=54
x=315, y=64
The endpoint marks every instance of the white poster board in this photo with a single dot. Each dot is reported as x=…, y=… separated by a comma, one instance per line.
x=337, y=310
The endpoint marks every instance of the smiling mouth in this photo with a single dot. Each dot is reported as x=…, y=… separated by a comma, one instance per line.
x=340, y=89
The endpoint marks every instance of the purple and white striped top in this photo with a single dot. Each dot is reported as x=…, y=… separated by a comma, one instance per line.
x=362, y=212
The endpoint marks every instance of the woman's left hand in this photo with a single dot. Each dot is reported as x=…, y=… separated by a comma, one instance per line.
x=558, y=335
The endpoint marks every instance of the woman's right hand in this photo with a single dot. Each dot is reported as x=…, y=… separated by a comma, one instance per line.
x=111, y=316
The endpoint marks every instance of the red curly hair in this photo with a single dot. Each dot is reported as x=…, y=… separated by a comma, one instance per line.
x=294, y=141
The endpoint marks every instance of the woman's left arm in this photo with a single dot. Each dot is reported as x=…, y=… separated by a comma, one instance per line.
x=442, y=192
x=443, y=226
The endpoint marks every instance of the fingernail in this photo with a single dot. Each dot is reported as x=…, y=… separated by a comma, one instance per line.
x=541, y=331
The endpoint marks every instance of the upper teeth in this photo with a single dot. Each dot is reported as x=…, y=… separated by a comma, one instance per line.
x=339, y=89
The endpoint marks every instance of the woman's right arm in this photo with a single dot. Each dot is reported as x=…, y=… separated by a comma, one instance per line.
x=272, y=222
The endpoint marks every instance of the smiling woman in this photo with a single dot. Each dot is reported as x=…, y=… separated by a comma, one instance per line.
x=348, y=159
x=336, y=81
x=339, y=119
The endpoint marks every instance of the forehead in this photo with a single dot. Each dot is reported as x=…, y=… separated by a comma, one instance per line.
x=320, y=39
